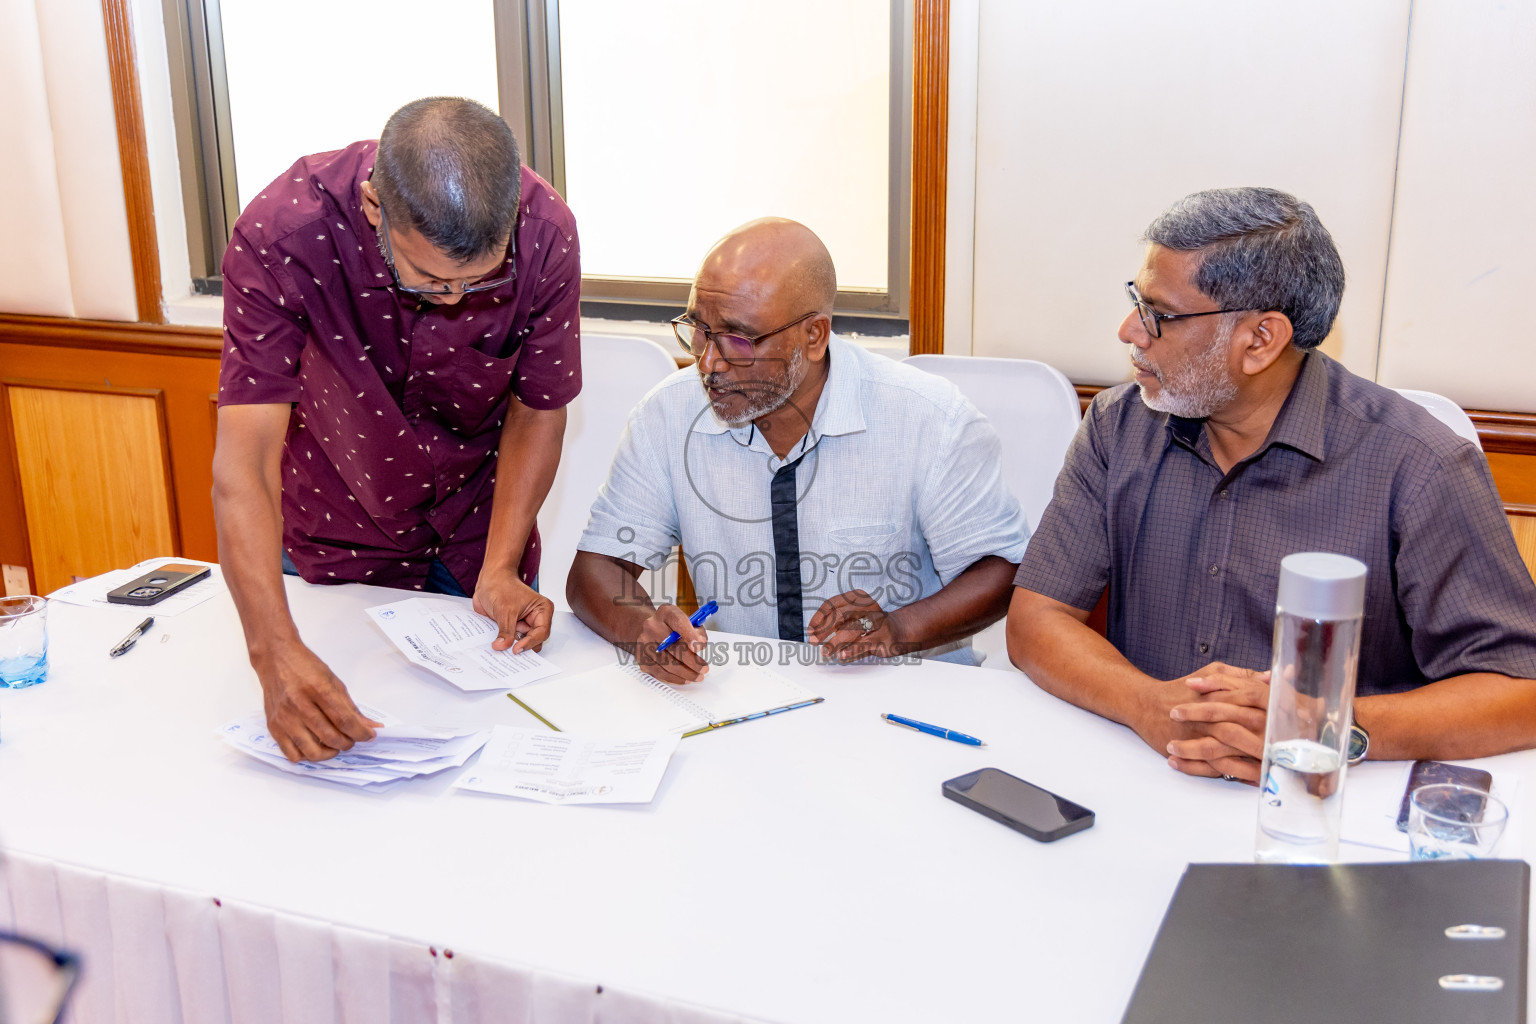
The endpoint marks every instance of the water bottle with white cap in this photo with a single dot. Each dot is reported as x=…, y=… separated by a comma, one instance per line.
x=1311, y=700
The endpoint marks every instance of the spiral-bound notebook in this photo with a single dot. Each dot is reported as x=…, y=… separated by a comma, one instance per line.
x=621, y=700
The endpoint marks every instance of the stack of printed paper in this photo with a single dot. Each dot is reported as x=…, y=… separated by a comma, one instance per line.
x=447, y=637
x=560, y=768
x=396, y=752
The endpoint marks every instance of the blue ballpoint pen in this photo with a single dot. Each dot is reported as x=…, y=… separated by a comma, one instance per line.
x=934, y=730
x=697, y=618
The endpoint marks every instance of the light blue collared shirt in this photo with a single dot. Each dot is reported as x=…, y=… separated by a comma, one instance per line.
x=900, y=491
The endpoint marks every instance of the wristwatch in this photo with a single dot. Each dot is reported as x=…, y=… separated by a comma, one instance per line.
x=1359, y=743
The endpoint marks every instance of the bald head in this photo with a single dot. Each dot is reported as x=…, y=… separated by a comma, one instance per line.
x=775, y=264
x=766, y=292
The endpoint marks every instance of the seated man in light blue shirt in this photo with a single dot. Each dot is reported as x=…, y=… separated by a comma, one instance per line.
x=820, y=493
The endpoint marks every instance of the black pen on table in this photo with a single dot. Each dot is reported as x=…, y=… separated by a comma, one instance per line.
x=126, y=643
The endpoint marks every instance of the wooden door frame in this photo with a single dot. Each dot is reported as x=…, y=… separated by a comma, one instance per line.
x=930, y=173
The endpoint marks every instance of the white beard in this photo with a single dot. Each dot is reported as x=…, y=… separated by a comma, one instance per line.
x=766, y=395
x=1202, y=387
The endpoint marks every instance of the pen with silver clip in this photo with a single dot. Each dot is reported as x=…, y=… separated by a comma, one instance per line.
x=126, y=643
x=933, y=730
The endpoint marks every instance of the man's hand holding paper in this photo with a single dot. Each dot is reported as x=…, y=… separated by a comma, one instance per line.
x=522, y=615
x=454, y=642
x=309, y=712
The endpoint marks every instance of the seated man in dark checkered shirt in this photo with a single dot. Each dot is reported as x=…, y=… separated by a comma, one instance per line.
x=1238, y=444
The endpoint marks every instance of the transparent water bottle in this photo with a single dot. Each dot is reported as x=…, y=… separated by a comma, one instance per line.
x=1311, y=698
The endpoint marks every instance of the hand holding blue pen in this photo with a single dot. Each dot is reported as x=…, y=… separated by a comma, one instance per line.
x=697, y=619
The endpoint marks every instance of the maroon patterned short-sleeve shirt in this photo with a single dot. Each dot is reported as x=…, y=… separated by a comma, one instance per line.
x=390, y=459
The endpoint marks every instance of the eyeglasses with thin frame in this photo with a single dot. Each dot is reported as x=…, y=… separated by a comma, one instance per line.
x=34, y=979
x=1151, y=318
x=736, y=349
x=447, y=289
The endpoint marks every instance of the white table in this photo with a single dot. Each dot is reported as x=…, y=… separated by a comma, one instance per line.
x=799, y=868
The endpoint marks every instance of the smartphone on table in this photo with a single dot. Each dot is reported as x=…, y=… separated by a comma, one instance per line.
x=1022, y=806
x=158, y=584
x=1434, y=773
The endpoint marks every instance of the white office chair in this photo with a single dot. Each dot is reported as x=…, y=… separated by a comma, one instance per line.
x=1035, y=411
x=616, y=373
x=1446, y=411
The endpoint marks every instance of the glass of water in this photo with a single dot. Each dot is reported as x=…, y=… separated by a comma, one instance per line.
x=23, y=641
x=1450, y=822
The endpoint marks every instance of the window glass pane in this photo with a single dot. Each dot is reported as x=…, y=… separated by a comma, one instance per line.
x=306, y=76
x=685, y=118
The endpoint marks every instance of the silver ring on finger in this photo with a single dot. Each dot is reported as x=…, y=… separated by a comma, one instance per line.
x=1229, y=778
x=866, y=624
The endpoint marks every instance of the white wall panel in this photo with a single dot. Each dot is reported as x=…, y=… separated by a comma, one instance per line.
x=34, y=270
x=960, y=203
x=1462, y=277
x=90, y=176
x=1094, y=117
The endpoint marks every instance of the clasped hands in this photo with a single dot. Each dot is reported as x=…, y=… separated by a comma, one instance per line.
x=847, y=627
x=1211, y=722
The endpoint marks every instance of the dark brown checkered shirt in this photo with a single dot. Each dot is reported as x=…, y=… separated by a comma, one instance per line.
x=1191, y=556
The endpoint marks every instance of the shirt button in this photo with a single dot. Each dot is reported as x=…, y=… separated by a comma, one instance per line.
x=1205, y=648
x=1226, y=493
x=1214, y=570
x=432, y=513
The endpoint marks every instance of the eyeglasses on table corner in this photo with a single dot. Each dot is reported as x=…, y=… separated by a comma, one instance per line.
x=35, y=980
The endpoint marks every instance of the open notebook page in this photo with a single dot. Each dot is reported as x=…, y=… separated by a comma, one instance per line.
x=621, y=700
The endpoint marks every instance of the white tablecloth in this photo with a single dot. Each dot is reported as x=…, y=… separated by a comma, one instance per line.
x=799, y=868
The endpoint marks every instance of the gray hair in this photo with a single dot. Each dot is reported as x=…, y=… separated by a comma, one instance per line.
x=449, y=168
x=1260, y=249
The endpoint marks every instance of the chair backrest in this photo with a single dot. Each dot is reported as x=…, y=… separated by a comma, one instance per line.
x=1446, y=411
x=616, y=372
x=1033, y=408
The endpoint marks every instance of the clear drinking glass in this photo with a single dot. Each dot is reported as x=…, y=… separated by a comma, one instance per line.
x=1450, y=822
x=23, y=641
x=1311, y=699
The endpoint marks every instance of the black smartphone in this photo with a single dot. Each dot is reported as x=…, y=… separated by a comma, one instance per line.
x=1433, y=773
x=1022, y=806
x=157, y=585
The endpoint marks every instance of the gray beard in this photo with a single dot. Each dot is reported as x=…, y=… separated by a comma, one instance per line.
x=1202, y=388
x=766, y=395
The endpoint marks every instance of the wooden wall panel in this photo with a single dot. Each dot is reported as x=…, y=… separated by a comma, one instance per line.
x=1522, y=521
x=93, y=470
x=181, y=362
x=1515, y=476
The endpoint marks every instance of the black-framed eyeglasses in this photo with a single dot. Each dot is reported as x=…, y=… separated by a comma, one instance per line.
x=736, y=349
x=447, y=289
x=1151, y=318
x=34, y=979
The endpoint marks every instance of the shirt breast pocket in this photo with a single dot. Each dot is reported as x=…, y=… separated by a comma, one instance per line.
x=873, y=558
x=481, y=385
x=858, y=537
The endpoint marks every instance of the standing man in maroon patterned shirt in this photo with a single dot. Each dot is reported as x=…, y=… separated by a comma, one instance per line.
x=401, y=317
